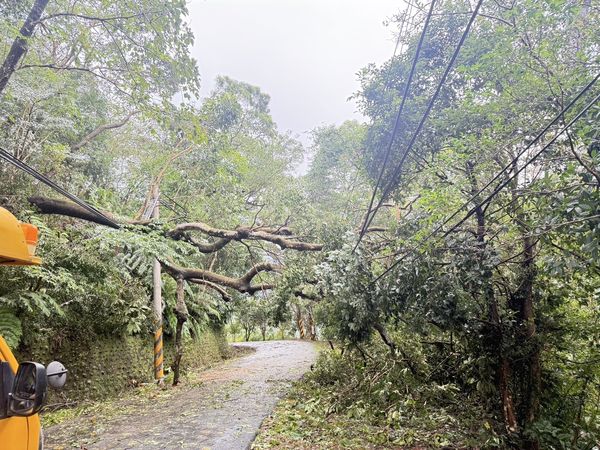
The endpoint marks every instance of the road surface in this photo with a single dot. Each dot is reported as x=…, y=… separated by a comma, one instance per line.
x=223, y=412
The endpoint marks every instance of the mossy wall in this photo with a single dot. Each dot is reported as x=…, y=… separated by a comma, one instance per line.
x=101, y=367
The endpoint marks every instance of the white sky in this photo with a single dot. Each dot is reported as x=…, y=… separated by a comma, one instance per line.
x=304, y=53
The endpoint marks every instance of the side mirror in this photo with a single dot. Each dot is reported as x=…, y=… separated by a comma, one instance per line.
x=57, y=375
x=29, y=390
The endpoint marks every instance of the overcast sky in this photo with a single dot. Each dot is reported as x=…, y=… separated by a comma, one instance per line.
x=303, y=53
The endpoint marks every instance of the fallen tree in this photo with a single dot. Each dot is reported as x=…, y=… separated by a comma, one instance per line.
x=280, y=236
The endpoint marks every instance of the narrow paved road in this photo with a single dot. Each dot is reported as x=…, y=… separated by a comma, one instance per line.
x=223, y=413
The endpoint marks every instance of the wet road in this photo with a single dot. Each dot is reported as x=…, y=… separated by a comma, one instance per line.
x=223, y=413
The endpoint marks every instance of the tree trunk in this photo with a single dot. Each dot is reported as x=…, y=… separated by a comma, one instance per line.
x=311, y=325
x=263, y=332
x=532, y=381
x=521, y=302
x=300, y=323
x=19, y=45
x=181, y=312
x=495, y=334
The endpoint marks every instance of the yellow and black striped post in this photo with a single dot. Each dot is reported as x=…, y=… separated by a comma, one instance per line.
x=158, y=352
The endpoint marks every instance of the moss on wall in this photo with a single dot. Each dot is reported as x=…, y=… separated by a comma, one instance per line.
x=101, y=367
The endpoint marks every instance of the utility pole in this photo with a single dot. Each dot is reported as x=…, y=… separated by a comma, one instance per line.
x=157, y=302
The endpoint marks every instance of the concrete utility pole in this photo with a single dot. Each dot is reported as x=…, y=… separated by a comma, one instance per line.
x=157, y=302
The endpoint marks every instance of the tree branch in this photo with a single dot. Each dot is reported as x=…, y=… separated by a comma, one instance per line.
x=201, y=246
x=101, y=129
x=393, y=347
x=278, y=236
x=86, y=17
x=242, y=284
x=222, y=292
x=281, y=236
x=19, y=45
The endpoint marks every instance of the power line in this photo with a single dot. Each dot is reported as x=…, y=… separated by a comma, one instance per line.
x=182, y=209
x=397, y=172
x=34, y=173
x=530, y=161
x=521, y=153
x=403, y=28
x=508, y=180
x=179, y=212
x=511, y=164
x=398, y=116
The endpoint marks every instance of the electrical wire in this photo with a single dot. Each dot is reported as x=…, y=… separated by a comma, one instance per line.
x=34, y=173
x=521, y=153
x=398, y=116
x=397, y=172
x=511, y=164
x=505, y=182
x=530, y=161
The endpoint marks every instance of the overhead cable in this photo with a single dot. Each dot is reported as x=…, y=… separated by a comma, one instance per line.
x=397, y=172
x=34, y=173
x=511, y=164
x=509, y=179
x=530, y=161
x=398, y=116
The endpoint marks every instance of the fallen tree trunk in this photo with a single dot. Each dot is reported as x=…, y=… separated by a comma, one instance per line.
x=70, y=209
x=280, y=236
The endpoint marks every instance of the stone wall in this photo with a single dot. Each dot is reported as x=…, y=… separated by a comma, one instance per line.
x=101, y=367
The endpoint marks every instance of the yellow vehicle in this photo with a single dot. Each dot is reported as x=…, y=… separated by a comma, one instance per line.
x=23, y=386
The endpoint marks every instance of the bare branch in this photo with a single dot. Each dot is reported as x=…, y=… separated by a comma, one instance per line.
x=242, y=284
x=201, y=246
x=101, y=129
x=222, y=292
x=86, y=17
x=275, y=236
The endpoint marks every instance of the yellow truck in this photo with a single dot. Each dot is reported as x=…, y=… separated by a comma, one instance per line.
x=23, y=386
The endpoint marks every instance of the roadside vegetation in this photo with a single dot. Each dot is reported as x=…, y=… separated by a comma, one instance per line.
x=468, y=315
x=350, y=402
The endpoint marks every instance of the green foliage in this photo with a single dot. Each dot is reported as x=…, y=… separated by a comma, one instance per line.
x=371, y=400
x=505, y=302
x=139, y=50
x=478, y=298
x=253, y=314
x=10, y=327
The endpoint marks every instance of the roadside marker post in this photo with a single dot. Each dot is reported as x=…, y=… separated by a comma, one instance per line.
x=157, y=303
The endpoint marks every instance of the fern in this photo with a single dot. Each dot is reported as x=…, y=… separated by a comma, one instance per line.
x=40, y=302
x=10, y=327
